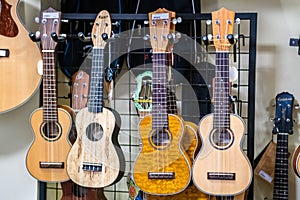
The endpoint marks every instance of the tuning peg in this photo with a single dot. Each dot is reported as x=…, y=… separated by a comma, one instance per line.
x=83, y=38
x=146, y=37
x=208, y=22
x=178, y=20
x=146, y=22
x=104, y=36
x=35, y=37
x=207, y=39
x=237, y=21
x=58, y=38
x=37, y=20
x=231, y=39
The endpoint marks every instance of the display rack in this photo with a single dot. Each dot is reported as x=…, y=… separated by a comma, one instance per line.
x=243, y=88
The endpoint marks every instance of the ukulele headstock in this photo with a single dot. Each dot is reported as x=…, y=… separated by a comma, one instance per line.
x=50, y=23
x=101, y=29
x=161, y=29
x=222, y=26
x=283, y=121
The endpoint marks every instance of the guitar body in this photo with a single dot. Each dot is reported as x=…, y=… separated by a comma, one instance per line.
x=43, y=150
x=296, y=161
x=21, y=65
x=171, y=159
x=191, y=146
x=211, y=159
x=96, y=147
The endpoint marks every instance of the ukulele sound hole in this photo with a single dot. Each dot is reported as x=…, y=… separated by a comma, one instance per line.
x=51, y=131
x=221, y=138
x=160, y=138
x=94, y=132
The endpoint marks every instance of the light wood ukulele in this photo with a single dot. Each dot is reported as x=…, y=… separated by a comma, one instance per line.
x=72, y=191
x=46, y=158
x=221, y=168
x=19, y=59
x=162, y=167
x=96, y=159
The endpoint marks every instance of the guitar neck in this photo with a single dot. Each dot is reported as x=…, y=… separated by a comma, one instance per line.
x=221, y=92
x=159, y=93
x=281, y=168
x=49, y=87
x=95, y=102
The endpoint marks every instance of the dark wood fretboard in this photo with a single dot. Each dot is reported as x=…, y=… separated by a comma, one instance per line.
x=95, y=102
x=49, y=87
x=281, y=168
x=221, y=92
x=159, y=93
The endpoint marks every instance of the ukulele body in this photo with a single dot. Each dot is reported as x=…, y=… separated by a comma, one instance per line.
x=229, y=169
x=21, y=65
x=172, y=159
x=96, y=159
x=49, y=151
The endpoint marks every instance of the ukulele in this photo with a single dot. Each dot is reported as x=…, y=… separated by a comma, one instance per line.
x=19, y=59
x=221, y=168
x=162, y=167
x=96, y=159
x=72, y=191
x=283, y=126
x=46, y=157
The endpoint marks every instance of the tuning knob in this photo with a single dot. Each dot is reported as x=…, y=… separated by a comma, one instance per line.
x=56, y=38
x=35, y=37
x=83, y=38
x=146, y=37
x=230, y=38
x=178, y=20
x=104, y=36
x=207, y=39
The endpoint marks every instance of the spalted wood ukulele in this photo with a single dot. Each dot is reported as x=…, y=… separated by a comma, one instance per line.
x=162, y=167
x=72, y=191
x=221, y=167
x=283, y=126
x=19, y=59
x=46, y=158
x=96, y=159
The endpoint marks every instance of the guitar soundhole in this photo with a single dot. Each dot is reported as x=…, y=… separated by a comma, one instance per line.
x=94, y=132
x=221, y=138
x=51, y=131
x=160, y=138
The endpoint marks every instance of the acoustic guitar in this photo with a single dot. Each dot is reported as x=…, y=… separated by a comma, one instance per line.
x=221, y=168
x=46, y=157
x=96, y=159
x=283, y=126
x=162, y=167
x=19, y=59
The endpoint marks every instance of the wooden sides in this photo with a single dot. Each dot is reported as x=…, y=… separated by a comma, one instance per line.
x=19, y=77
x=43, y=150
x=102, y=151
x=167, y=160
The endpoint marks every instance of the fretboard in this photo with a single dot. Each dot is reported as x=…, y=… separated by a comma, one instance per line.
x=49, y=87
x=281, y=168
x=159, y=91
x=96, y=83
x=221, y=92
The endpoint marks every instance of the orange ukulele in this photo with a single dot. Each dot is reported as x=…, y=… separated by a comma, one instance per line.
x=221, y=168
x=96, y=159
x=19, y=59
x=162, y=167
x=46, y=157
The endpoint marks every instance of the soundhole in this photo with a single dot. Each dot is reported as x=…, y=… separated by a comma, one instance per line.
x=221, y=138
x=51, y=131
x=160, y=138
x=94, y=131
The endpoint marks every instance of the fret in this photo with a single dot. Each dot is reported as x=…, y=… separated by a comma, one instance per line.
x=49, y=87
x=221, y=108
x=159, y=91
x=96, y=83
